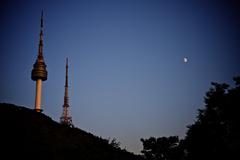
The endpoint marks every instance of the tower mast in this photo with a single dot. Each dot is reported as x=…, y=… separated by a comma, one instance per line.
x=66, y=118
x=39, y=71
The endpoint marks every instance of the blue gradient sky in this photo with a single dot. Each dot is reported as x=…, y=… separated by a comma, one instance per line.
x=126, y=73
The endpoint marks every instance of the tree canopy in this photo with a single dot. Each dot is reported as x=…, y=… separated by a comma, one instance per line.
x=214, y=134
x=162, y=148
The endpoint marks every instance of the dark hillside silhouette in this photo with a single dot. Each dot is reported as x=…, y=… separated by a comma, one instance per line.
x=26, y=134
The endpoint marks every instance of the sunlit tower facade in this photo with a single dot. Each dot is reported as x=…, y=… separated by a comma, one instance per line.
x=66, y=118
x=39, y=71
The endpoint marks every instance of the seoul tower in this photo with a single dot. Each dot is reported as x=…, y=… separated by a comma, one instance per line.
x=39, y=71
x=66, y=119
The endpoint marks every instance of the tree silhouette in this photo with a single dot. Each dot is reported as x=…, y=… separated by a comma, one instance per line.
x=114, y=142
x=163, y=148
x=215, y=134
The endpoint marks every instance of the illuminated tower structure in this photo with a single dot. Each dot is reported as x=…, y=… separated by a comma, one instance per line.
x=39, y=71
x=66, y=118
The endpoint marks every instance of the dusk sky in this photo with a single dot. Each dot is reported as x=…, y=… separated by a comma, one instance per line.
x=127, y=77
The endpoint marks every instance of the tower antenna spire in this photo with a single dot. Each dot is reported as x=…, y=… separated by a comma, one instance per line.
x=42, y=20
x=39, y=71
x=66, y=118
x=40, y=48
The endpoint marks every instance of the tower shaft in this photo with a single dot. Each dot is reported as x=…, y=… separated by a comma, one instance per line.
x=38, y=95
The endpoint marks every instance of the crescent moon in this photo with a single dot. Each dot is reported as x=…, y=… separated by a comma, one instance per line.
x=185, y=59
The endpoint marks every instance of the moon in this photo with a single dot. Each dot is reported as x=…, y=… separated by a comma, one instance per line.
x=185, y=59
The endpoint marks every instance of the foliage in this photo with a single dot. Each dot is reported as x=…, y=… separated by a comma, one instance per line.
x=214, y=135
x=163, y=148
x=114, y=143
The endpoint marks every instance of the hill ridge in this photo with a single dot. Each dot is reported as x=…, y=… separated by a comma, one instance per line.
x=30, y=134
